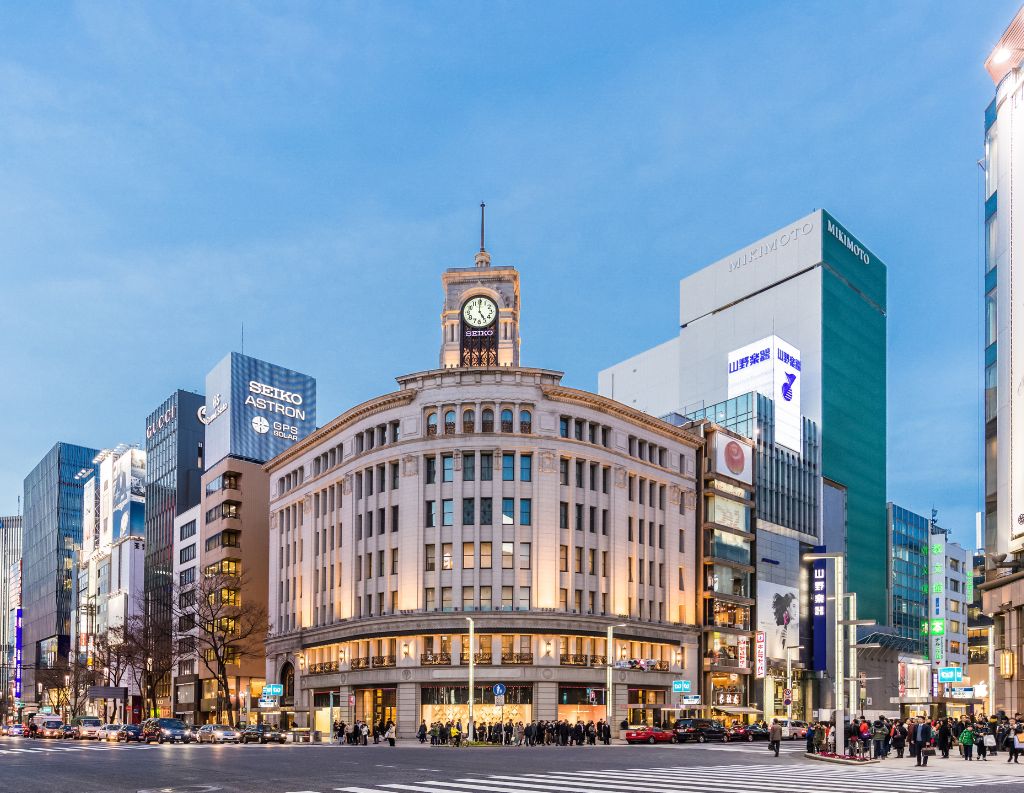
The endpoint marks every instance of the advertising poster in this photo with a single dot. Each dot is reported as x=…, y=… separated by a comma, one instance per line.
x=771, y=367
x=129, y=494
x=734, y=458
x=730, y=513
x=778, y=616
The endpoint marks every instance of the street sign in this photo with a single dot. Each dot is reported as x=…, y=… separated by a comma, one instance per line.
x=681, y=686
x=691, y=699
x=499, y=700
x=273, y=690
x=951, y=674
x=966, y=692
x=787, y=697
x=499, y=689
x=268, y=703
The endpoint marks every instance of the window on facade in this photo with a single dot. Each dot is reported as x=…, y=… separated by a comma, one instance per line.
x=467, y=598
x=468, y=466
x=429, y=558
x=447, y=512
x=486, y=511
x=468, y=511
x=430, y=473
x=187, y=554
x=468, y=555
x=485, y=556
x=188, y=530
x=428, y=599
x=563, y=426
x=487, y=420
x=446, y=598
x=508, y=508
x=525, y=421
x=525, y=511
x=578, y=559
x=394, y=561
x=508, y=467
x=563, y=471
x=563, y=599
x=563, y=515
x=486, y=466
x=592, y=562
x=563, y=558
x=579, y=517
x=449, y=422
x=468, y=421
x=506, y=598
x=579, y=473
x=507, y=561
x=524, y=555
x=446, y=556
x=447, y=468
x=506, y=420
x=430, y=508
x=432, y=424
x=525, y=467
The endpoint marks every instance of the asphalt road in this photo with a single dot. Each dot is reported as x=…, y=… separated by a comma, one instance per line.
x=86, y=767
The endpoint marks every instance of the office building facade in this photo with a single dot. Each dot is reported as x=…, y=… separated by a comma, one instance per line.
x=809, y=298
x=10, y=605
x=174, y=466
x=488, y=491
x=51, y=538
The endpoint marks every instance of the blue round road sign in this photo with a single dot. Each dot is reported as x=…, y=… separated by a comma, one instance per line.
x=499, y=689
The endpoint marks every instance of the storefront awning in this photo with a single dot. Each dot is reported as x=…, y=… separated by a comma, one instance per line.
x=737, y=709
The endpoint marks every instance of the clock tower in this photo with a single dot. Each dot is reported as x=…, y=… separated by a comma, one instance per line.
x=480, y=317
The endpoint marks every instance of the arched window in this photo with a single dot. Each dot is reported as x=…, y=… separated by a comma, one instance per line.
x=288, y=680
x=449, y=422
x=487, y=420
x=506, y=420
x=525, y=421
x=432, y=424
x=468, y=421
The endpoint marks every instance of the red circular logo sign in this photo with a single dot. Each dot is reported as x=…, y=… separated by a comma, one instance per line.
x=735, y=459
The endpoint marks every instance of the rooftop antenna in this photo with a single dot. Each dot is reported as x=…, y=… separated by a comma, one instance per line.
x=483, y=258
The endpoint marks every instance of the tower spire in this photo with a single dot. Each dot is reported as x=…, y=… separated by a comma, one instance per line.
x=483, y=258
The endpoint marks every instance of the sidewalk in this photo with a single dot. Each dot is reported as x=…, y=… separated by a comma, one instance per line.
x=955, y=764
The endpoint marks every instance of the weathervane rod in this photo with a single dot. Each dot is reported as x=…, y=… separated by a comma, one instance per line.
x=482, y=205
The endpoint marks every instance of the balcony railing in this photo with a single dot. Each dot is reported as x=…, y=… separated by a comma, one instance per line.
x=435, y=659
x=449, y=428
x=506, y=426
x=722, y=662
x=598, y=660
x=479, y=658
x=661, y=666
x=517, y=658
x=486, y=426
x=325, y=668
x=573, y=659
x=526, y=427
x=383, y=660
x=360, y=663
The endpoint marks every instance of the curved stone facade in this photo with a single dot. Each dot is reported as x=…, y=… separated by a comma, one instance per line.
x=544, y=513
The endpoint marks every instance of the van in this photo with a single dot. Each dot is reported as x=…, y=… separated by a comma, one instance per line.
x=86, y=727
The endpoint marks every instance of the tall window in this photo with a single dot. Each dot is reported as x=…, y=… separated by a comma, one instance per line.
x=468, y=421
x=508, y=509
x=525, y=422
x=447, y=512
x=508, y=467
x=468, y=512
x=506, y=420
x=430, y=508
x=525, y=511
x=486, y=466
x=449, y=422
x=431, y=472
x=487, y=420
x=485, y=556
x=429, y=558
x=486, y=511
x=432, y=424
x=447, y=468
x=507, y=559
x=468, y=466
x=468, y=555
x=525, y=467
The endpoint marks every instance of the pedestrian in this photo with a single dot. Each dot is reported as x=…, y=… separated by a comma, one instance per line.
x=981, y=738
x=819, y=737
x=1016, y=745
x=878, y=733
x=421, y=733
x=922, y=739
x=967, y=741
x=944, y=737
x=775, y=736
x=389, y=733
x=899, y=739
x=809, y=738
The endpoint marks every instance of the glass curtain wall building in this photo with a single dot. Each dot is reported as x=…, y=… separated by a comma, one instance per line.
x=174, y=465
x=52, y=535
x=10, y=555
x=908, y=574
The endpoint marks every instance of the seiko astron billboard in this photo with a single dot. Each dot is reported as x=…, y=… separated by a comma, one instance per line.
x=255, y=410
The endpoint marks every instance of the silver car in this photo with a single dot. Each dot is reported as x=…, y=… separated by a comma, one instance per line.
x=218, y=733
x=108, y=732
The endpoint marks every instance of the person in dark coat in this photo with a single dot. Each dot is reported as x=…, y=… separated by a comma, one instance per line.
x=923, y=738
x=944, y=738
x=899, y=739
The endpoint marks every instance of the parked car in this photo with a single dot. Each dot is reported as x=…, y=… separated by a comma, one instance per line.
x=746, y=732
x=699, y=730
x=193, y=730
x=218, y=733
x=263, y=733
x=129, y=732
x=165, y=730
x=52, y=729
x=108, y=732
x=16, y=731
x=86, y=726
x=793, y=729
x=647, y=734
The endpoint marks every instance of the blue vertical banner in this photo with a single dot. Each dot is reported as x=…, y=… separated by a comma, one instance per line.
x=819, y=611
x=17, y=654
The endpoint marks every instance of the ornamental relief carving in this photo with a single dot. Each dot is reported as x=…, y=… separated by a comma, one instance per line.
x=620, y=476
x=346, y=485
x=410, y=465
x=548, y=461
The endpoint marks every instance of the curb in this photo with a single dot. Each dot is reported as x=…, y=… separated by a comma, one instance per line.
x=839, y=760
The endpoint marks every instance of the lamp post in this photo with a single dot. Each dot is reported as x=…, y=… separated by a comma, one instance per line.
x=789, y=677
x=471, y=731
x=609, y=699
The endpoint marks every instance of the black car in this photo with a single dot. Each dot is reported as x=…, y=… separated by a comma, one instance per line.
x=263, y=733
x=746, y=732
x=165, y=731
x=699, y=730
x=129, y=732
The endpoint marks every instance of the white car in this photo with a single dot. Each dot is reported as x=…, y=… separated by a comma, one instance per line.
x=108, y=732
x=219, y=733
x=86, y=727
x=793, y=729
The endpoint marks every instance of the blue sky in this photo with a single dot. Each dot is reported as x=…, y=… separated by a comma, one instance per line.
x=169, y=171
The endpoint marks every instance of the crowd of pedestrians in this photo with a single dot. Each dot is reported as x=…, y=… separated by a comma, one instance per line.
x=359, y=733
x=533, y=733
x=974, y=737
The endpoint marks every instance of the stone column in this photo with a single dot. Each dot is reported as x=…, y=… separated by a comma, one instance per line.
x=545, y=700
x=408, y=707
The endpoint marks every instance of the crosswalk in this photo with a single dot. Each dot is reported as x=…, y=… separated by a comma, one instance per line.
x=767, y=778
x=748, y=747
x=26, y=747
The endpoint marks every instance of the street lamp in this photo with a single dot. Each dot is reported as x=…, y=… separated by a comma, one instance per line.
x=472, y=669
x=853, y=622
x=609, y=699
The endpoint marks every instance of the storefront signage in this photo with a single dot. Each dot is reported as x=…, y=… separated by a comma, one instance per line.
x=217, y=409
x=760, y=654
x=161, y=421
x=273, y=690
x=691, y=699
x=267, y=703
x=966, y=692
x=728, y=698
x=681, y=686
x=640, y=664
x=741, y=652
x=734, y=458
x=819, y=596
x=902, y=678
x=951, y=674
x=17, y=654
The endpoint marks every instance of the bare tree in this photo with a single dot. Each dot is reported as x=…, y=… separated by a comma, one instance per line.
x=150, y=651
x=67, y=686
x=112, y=657
x=227, y=631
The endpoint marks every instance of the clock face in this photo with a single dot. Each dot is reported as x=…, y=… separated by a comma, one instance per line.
x=479, y=312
